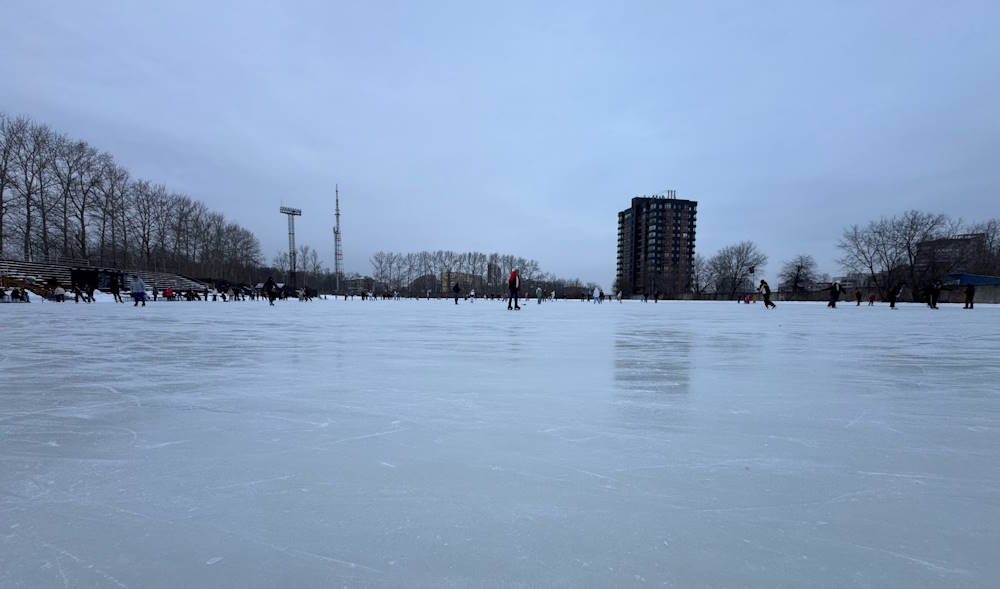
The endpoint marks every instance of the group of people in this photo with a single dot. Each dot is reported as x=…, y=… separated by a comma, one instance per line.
x=836, y=291
x=16, y=295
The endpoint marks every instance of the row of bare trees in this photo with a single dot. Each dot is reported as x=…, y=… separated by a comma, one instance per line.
x=421, y=271
x=63, y=199
x=885, y=252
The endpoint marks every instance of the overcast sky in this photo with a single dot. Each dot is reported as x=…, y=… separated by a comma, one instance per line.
x=525, y=127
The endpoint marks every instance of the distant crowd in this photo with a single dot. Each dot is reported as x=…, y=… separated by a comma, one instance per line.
x=270, y=291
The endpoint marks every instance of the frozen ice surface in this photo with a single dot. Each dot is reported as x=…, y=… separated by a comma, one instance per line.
x=420, y=444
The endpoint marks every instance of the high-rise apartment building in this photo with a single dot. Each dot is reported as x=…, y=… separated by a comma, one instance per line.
x=656, y=245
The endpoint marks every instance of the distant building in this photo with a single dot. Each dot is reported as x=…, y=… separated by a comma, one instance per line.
x=937, y=257
x=656, y=245
x=494, y=275
x=358, y=284
x=465, y=280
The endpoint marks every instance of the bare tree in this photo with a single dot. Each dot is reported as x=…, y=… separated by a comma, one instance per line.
x=11, y=138
x=31, y=162
x=730, y=268
x=911, y=228
x=701, y=275
x=281, y=262
x=797, y=272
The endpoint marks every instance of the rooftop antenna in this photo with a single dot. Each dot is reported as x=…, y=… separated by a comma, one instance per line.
x=292, y=213
x=338, y=254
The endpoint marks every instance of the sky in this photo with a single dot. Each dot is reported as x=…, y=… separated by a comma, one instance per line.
x=524, y=127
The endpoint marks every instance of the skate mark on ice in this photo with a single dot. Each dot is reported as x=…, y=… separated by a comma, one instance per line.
x=134, y=398
x=373, y=435
x=213, y=560
x=163, y=445
x=856, y=420
x=298, y=552
x=83, y=562
x=940, y=568
x=251, y=483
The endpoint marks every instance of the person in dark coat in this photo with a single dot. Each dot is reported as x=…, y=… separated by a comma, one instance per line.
x=933, y=293
x=857, y=296
x=765, y=291
x=269, y=288
x=456, y=290
x=894, y=295
x=116, y=291
x=834, y=295
x=970, y=294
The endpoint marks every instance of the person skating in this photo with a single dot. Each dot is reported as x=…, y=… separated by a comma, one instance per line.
x=538, y=294
x=894, y=293
x=597, y=295
x=970, y=294
x=138, y=291
x=116, y=291
x=857, y=296
x=834, y=295
x=934, y=293
x=871, y=299
x=269, y=288
x=765, y=291
x=156, y=293
x=456, y=290
x=513, y=289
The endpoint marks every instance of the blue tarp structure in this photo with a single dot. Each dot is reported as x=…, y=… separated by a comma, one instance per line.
x=967, y=279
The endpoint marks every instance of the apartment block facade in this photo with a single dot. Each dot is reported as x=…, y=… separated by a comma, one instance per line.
x=656, y=239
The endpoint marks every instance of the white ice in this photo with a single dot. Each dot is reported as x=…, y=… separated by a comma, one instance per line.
x=423, y=444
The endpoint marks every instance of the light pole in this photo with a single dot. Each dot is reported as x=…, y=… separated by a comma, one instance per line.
x=292, y=213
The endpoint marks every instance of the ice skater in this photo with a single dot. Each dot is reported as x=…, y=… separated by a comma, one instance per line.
x=269, y=288
x=970, y=294
x=871, y=299
x=138, y=291
x=894, y=293
x=456, y=290
x=835, y=291
x=933, y=294
x=538, y=294
x=765, y=291
x=116, y=291
x=513, y=288
x=857, y=296
x=597, y=295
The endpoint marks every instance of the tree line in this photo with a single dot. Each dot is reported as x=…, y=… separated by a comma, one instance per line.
x=885, y=252
x=418, y=272
x=880, y=255
x=62, y=199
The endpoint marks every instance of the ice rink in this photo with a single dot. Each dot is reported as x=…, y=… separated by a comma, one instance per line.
x=420, y=444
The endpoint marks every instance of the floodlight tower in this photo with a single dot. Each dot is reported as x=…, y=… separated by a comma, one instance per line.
x=292, y=213
x=338, y=254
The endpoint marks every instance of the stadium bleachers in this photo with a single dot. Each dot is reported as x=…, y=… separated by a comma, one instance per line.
x=42, y=272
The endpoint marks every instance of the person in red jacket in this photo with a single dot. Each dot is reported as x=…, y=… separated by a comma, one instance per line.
x=513, y=286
